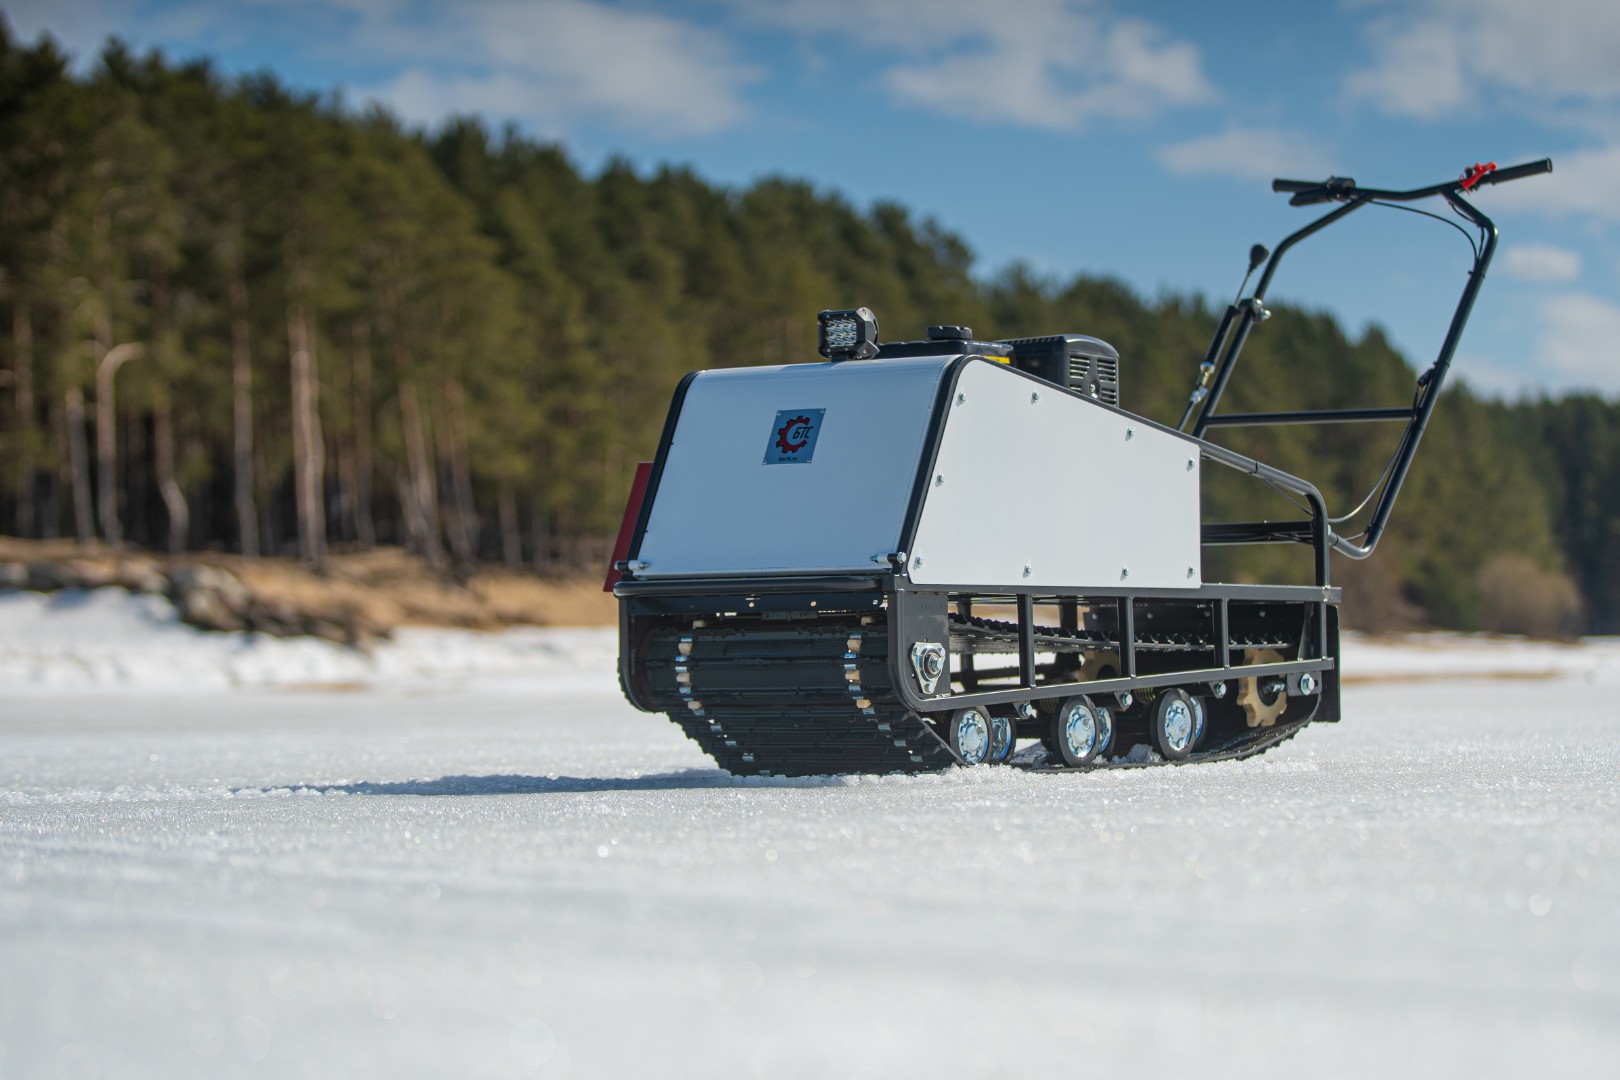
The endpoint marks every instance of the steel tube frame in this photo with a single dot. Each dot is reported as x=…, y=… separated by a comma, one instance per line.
x=1416, y=416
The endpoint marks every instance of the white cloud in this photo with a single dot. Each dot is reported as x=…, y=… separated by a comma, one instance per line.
x=79, y=26
x=1582, y=184
x=1249, y=155
x=1059, y=65
x=1541, y=262
x=552, y=62
x=1433, y=57
x=1580, y=341
x=679, y=70
x=545, y=64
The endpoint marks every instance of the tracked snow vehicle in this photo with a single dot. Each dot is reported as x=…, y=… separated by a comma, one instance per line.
x=810, y=580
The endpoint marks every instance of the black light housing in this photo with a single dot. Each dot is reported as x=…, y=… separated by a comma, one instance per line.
x=848, y=335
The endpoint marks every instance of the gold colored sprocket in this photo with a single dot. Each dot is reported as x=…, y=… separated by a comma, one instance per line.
x=1256, y=709
x=1097, y=662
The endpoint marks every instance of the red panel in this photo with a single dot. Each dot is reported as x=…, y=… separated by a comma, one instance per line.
x=627, y=527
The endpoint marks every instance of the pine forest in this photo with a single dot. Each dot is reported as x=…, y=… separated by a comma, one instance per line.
x=239, y=317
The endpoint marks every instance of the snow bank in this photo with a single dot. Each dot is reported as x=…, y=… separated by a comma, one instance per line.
x=111, y=639
x=114, y=640
x=1466, y=656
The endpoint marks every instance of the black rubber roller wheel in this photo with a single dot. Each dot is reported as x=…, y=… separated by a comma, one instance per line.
x=1080, y=731
x=1174, y=725
x=968, y=731
x=1003, y=737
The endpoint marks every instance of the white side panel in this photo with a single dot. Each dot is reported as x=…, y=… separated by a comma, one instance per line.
x=720, y=508
x=1036, y=487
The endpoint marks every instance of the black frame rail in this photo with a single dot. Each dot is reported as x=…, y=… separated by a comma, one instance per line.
x=1239, y=320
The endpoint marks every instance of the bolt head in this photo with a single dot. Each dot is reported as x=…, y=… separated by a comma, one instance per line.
x=1033, y=398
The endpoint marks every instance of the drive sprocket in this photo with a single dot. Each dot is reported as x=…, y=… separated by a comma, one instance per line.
x=1260, y=709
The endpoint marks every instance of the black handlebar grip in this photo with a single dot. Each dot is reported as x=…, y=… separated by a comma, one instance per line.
x=1517, y=172
x=1295, y=185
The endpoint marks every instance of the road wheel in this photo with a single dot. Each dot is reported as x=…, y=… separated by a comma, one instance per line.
x=1200, y=719
x=1105, y=731
x=1080, y=730
x=1003, y=737
x=969, y=734
x=1174, y=725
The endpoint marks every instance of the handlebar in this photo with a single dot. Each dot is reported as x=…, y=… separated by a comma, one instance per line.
x=1517, y=172
x=1343, y=188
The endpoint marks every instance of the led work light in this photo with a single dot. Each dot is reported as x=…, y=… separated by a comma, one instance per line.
x=848, y=335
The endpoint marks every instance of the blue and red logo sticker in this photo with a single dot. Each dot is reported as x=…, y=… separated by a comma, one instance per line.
x=793, y=436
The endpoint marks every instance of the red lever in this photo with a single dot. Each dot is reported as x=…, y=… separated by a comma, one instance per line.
x=1475, y=173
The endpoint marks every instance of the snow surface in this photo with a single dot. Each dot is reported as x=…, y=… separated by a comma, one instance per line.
x=108, y=639
x=465, y=855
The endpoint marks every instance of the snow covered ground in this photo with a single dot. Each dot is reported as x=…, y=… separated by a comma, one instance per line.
x=466, y=856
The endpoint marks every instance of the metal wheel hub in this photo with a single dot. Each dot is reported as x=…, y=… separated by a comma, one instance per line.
x=972, y=736
x=1001, y=737
x=1178, y=724
x=1080, y=729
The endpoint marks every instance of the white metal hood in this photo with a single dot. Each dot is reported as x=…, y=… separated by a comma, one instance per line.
x=1036, y=487
x=732, y=498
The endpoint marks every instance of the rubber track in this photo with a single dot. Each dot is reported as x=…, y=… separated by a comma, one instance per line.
x=1249, y=744
x=801, y=700
x=813, y=699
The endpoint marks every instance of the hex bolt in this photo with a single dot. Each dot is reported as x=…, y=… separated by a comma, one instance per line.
x=1035, y=397
x=1124, y=572
x=1130, y=433
x=1027, y=570
x=1190, y=464
x=961, y=399
x=916, y=560
x=1191, y=573
x=1307, y=683
x=939, y=480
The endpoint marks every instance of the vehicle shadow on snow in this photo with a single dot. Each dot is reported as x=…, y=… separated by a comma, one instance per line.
x=685, y=780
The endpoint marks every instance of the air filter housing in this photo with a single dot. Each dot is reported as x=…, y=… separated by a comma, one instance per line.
x=1086, y=364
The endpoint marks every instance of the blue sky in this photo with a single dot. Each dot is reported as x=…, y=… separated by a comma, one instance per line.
x=1133, y=140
